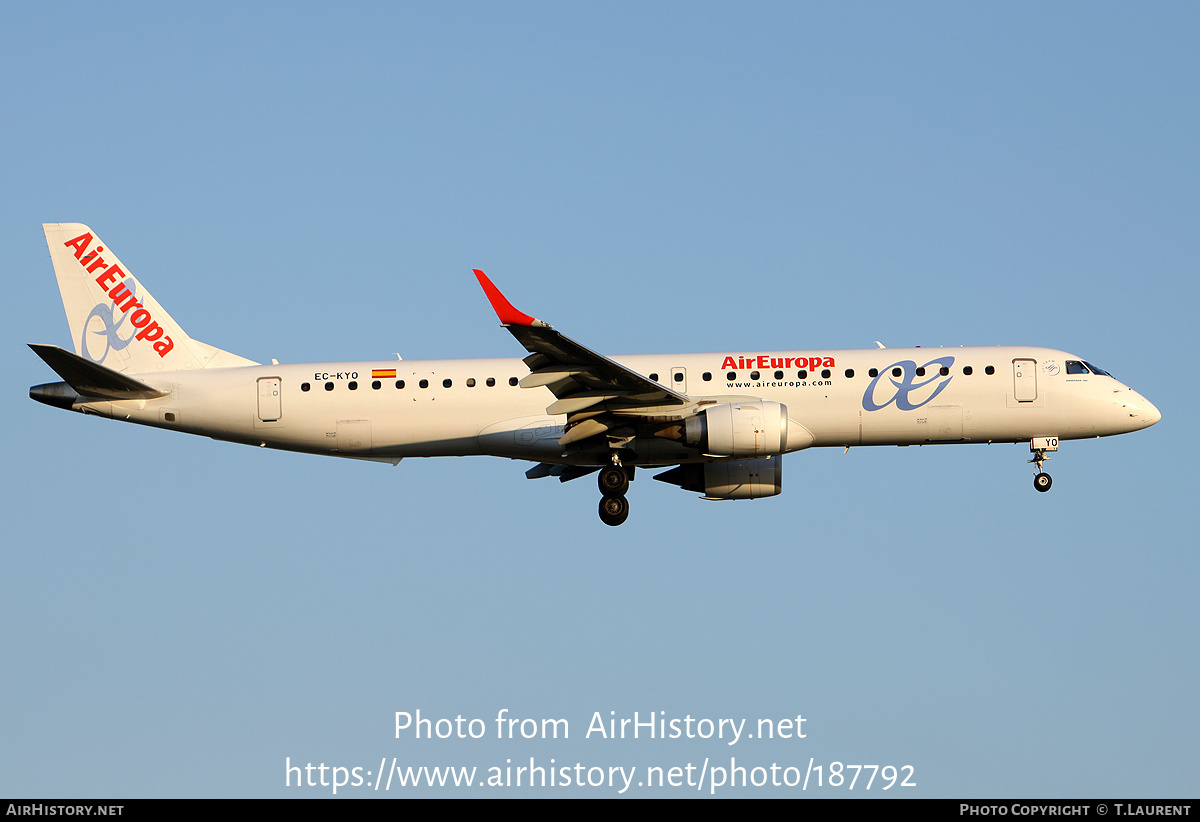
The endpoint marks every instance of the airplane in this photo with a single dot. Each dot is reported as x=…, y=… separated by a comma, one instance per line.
x=719, y=423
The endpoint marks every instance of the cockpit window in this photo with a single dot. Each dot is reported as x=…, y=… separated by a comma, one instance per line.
x=1077, y=367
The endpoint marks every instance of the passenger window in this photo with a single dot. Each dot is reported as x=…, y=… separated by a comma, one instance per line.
x=706, y=376
x=944, y=371
x=399, y=383
x=874, y=372
x=896, y=372
x=654, y=377
x=968, y=370
x=921, y=371
x=802, y=374
x=989, y=370
x=471, y=382
x=424, y=383
x=779, y=375
x=732, y=375
x=677, y=376
x=513, y=381
x=353, y=386
x=754, y=375
x=849, y=372
x=491, y=381
x=376, y=384
x=825, y=373
x=328, y=386
x=304, y=386
x=447, y=383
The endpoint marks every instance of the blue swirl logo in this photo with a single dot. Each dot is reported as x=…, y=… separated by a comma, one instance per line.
x=110, y=325
x=908, y=384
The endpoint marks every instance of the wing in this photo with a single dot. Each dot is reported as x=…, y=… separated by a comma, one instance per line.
x=598, y=395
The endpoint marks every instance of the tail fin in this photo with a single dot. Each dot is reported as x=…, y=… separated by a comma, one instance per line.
x=114, y=320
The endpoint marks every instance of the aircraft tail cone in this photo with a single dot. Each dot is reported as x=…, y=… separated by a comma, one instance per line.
x=58, y=394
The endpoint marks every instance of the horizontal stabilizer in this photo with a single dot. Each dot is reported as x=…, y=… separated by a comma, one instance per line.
x=92, y=379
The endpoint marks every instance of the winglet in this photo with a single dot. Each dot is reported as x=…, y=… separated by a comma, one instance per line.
x=503, y=308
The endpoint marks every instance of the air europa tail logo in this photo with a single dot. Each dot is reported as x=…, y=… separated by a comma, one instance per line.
x=124, y=298
x=744, y=361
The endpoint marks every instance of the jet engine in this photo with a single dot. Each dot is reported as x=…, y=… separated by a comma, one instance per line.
x=744, y=429
x=733, y=479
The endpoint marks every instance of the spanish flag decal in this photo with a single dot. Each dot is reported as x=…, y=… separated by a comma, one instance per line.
x=383, y=373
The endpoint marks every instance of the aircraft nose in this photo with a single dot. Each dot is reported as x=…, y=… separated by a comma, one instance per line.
x=1150, y=413
x=1141, y=411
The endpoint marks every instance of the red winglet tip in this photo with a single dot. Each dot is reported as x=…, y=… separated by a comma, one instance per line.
x=503, y=308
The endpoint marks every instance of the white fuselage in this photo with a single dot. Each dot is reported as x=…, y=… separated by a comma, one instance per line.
x=719, y=422
x=467, y=407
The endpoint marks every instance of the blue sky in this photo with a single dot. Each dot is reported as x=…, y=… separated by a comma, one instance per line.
x=314, y=183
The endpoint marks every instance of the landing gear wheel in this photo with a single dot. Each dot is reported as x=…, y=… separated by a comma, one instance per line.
x=1042, y=482
x=614, y=510
x=613, y=481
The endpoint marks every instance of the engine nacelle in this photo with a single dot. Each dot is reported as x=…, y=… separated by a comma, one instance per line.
x=744, y=429
x=733, y=479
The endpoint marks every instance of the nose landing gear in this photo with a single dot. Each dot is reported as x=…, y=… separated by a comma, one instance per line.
x=1038, y=446
x=614, y=484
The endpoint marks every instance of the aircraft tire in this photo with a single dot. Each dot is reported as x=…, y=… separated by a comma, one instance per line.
x=614, y=510
x=613, y=481
x=1042, y=482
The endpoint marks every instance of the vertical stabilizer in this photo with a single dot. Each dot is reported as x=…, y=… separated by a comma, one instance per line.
x=114, y=320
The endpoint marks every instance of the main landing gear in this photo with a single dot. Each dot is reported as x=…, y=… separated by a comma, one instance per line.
x=614, y=484
x=1038, y=446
